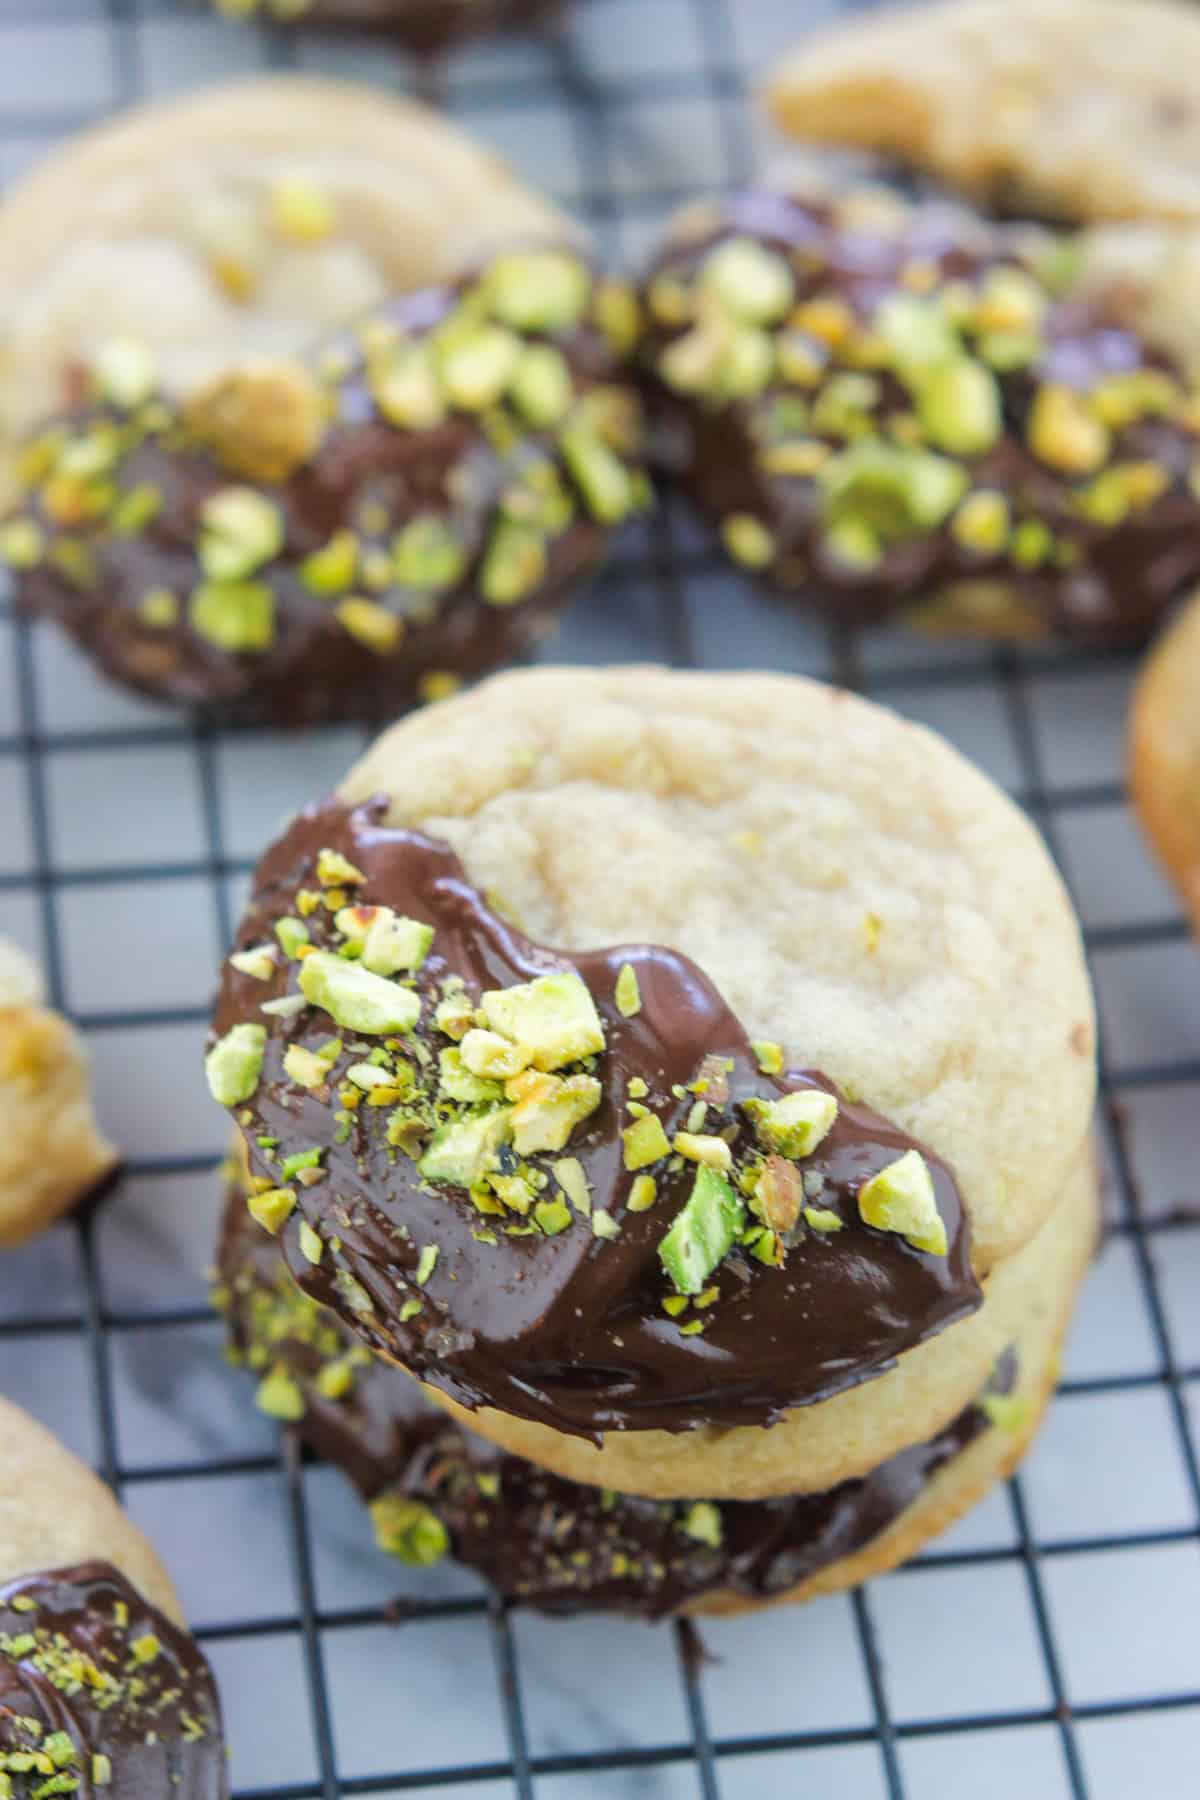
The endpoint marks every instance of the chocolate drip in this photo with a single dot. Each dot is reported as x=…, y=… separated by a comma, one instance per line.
x=99, y=1687
x=540, y=1540
x=426, y=27
x=1102, y=573
x=570, y=1330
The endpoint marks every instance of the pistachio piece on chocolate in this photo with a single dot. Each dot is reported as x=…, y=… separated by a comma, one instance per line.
x=409, y=1529
x=553, y=1017
x=462, y=1152
x=541, y=386
x=702, y=1523
x=645, y=1142
x=428, y=554
x=261, y=421
x=900, y=1198
x=356, y=999
x=959, y=406
x=233, y=615
x=240, y=530
x=476, y=367
x=258, y=962
x=794, y=1125
x=272, y=1208
x=538, y=290
x=752, y=283
x=386, y=942
x=627, y=993
x=704, y=1232
x=548, y=1109
x=487, y=1053
x=456, y=1082
x=234, y=1064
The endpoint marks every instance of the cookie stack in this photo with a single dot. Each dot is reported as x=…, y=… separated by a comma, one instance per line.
x=687, y=1079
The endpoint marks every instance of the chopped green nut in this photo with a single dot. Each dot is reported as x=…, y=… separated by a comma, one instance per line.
x=280, y=1397
x=332, y=569
x=769, y=1056
x=233, y=615
x=291, y=934
x=370, y=624
x=704, y=1232
x=752, y=283
x=428, y=554
x=412, y=1309
x=794, y=1125
x=514, y=563
x=901, y=1198
x=462, y=1152
x=982, y=522
x=601, y=477
x=748, y=540
x=627, y=993
x=538, y=290
x=303, y=1159
x=21, y=544
x=234, y=1064
x=272, y=1209
x=387, y=943
x=702, y=1521
x=675, y=1304
x=1008, y=1412
x=553, y=1017
x=645, y=1142
x=1065, y=433
x=713, y=1152
x=476, y=368
x=308, y=1068
x=488, y=1054
x=456, y=1082
x=642, y=1194
x=426, y=1264
x=335, y=870
x=570, y=1176
x=258, y=963
x=894, y=492
x=552, y=1216
x=102, y=1770
x=356, y=999
x=548, y=1109
x=822, y=1218
x=541, y=386
x=240, y=531
x=410, y=1530
x=311, y=1247
x=604, y=1225
x=959, y=406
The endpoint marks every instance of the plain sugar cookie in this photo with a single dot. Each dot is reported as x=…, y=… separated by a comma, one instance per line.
x=51, y=1148
x=1070, y=109
x=1164, y=754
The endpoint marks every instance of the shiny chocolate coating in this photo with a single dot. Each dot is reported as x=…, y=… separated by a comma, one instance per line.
x=427, y=27
x=1051, y=491
x=341, y=537
x=574, y=1329
x=103, y=1693
x=539, y=1540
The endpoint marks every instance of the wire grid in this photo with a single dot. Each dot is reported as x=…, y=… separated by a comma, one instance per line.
x=666, y=596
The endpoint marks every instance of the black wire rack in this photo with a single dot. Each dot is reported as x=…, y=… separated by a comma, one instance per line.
x=1048, y=725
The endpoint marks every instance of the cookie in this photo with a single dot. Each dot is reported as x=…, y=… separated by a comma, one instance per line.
x=598, y=1188
x=338, y=536
x=243, y=222
x=100, y=1684
x=1068, y=109
x=424, y=26
x=1164, y=754
x=52, y=1151
x=437, y=1489
x=883, y=407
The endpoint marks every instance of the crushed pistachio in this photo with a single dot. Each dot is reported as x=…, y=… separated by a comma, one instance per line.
x=627, y=994
x=356, y=999
x=409, y=1529
x=702, y=1522
x=645, y=1142
x=234, y=1064
x=901, y=1198
x=795, y=1124
x=704, y=1232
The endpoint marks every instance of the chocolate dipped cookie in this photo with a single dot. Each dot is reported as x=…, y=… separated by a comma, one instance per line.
x=101, y=1687
x=1164, y=754
x=241, y=223
x=340, y=535
x=882, y=407
x=52, y=1151
x=427, y=27
x=608, y=1192
x=435, y=1488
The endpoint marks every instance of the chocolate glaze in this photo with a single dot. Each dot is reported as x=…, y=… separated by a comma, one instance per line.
x=157, y=1721
x=540, y=1540
x=1124, y=575
x=314, y=669
x=426, y=27
x=570, y=1330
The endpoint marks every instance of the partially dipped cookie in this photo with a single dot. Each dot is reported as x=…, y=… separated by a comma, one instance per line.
x=425, y=26
x=436, y=1489
x=337, y=536
x=52, y=1151
x=1164, y=754
x=101, y=1687
x=609, y=1189
x=882, y=407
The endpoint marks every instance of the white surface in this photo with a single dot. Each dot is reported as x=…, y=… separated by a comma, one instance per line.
x=958, y=1640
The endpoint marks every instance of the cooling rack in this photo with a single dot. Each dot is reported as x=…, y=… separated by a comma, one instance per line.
x=1050, y=1645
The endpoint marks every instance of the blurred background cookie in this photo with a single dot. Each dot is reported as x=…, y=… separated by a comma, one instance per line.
x=52, y=1151
x=1164, y=753
x=100, y=1685
x=424, y=26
